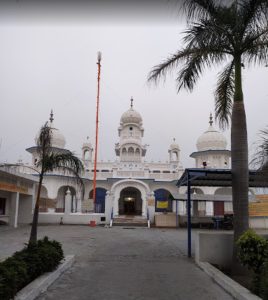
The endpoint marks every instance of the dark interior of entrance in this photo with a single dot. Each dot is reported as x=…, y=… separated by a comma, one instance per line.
x=130, y=202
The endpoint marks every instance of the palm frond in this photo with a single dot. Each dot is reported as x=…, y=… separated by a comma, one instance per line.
x=257, y=53
x=224, y=96
x=167, y=65
x=62, y=160
x=44, y=140
x=208, y=34
x=198, y=9
x=260, y=160
x=253, y=15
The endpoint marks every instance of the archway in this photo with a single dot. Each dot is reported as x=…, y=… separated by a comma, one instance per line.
x=60, y=200
x=130, y=202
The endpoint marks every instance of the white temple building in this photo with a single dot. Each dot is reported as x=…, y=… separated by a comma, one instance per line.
x=131, y=187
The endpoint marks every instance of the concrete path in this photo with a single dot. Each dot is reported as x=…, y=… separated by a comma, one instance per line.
x=122, y=264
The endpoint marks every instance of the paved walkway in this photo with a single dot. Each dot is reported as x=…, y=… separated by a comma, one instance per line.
x=121, y=264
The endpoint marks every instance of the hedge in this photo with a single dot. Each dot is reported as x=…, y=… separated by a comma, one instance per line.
x=24, y=266
x=253, y=253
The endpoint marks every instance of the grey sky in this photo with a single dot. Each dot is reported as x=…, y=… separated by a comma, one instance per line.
x=51, y=63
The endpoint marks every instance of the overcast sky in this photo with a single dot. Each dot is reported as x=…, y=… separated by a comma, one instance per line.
x=48, y=61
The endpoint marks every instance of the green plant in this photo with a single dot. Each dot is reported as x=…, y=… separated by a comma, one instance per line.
x=13, y=274
x=263, y=285
x=27, y=264
x=253, y=253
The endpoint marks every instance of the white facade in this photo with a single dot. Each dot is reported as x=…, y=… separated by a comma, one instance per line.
x=130, y=185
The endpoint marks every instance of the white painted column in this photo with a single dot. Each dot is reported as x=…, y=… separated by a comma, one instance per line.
x=116, y=204
x=68, y=202
x=33, y=197
x=209, y=208
x=144, y=200
x=182, y=208
x=79, y=203
x=16, y=209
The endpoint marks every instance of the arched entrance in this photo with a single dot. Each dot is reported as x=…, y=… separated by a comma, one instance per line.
x=130, y=202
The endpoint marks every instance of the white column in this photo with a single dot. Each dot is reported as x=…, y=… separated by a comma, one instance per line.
x=16, y=209
x=182, y=208
x=209, y=208
x=68, y=202
x=143, y=198
x=116, y=204
x=33, y=197
x=79, y=203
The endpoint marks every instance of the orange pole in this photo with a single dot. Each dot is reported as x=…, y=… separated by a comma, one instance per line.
x=97, y=128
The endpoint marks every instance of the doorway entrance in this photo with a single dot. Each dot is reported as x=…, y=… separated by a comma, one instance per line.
x=130, y=202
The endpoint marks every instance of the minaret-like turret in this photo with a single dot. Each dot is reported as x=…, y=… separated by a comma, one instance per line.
x=211, y=149
x=130, y=131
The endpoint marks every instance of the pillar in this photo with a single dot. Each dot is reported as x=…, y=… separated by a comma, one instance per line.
x=68, y=202
x=16, y=209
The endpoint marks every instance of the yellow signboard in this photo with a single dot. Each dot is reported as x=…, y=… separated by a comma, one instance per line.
x=162, y=204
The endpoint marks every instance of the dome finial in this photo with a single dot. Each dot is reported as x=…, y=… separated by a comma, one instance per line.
x=210, y=119
x=131, y=102
x=51, y=116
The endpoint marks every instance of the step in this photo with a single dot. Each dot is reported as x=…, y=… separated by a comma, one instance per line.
x=130, y=221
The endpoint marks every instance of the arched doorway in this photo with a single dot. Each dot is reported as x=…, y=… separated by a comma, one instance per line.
x=130, y=202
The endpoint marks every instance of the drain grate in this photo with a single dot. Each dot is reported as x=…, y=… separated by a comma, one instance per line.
x=129, y=228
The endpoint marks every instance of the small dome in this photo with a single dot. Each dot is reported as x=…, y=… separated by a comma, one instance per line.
x=87, y=144
x=211, y=139
x=131, y=116
x=58, y=139
x=174, y=146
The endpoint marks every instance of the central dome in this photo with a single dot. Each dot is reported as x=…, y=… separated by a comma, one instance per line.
x=131, y=116
x=211, y=139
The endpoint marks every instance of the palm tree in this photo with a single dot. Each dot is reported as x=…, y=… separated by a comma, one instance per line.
x=234, y=32
x=50, y=160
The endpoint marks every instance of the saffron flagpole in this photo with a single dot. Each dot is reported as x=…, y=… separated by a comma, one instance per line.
x=97, y=130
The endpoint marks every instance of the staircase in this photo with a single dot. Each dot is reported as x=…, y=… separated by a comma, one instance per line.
x=128, y=220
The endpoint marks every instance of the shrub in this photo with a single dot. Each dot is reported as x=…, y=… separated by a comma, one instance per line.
x=253, y=253
x=13, y=273
x=252, y=250
x=263, y=285
x=27, y=264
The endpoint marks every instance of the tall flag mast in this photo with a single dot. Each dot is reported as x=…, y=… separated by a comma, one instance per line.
x=97, y=129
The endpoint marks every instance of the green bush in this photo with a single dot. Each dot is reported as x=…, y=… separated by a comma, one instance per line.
x=13, y=273
x=26, y=265
x=253, y=253
x=252, y=250
x=263, y=285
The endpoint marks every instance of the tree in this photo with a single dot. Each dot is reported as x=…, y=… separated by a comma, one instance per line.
x=235, y=32
x=50, y=160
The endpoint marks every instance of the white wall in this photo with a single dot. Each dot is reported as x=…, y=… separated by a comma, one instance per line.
x=25, y=209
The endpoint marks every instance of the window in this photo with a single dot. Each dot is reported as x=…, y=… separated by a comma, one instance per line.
x=2, y=206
